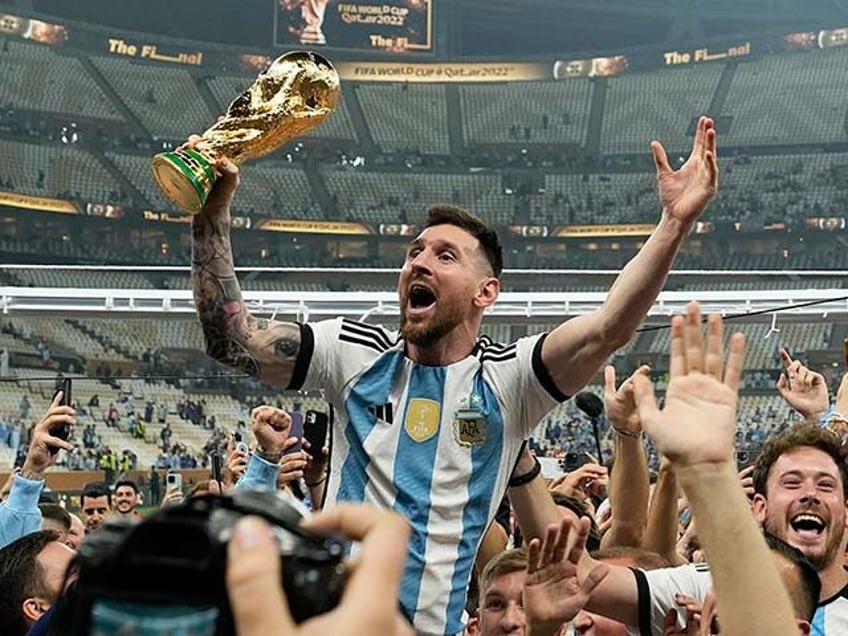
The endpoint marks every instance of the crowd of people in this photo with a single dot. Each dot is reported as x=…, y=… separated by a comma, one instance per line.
x=430, y=472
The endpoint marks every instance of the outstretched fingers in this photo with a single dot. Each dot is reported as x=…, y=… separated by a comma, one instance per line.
x=660, y=158
x=735, y=362
x=715, y=345
x=693, y=341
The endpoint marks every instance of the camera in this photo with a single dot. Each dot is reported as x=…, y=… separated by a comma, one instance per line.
x=167, y=574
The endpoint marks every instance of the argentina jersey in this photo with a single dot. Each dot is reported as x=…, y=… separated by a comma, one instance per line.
x=657, y=588
x=831, y=617
x=435, y=443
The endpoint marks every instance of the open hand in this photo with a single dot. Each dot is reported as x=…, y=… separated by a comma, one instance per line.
x=698, y=422
x=619, y=404
x=804, y=390
x=685, y=193
x=552, y=593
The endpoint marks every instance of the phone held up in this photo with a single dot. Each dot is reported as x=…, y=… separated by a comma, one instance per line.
x=64, y=431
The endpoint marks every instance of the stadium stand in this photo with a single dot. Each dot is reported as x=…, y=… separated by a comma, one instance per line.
x=536, y=113
x=164, y=99
x=788, y=98
x=34, y=76
x=405, y=117
x=656, y=105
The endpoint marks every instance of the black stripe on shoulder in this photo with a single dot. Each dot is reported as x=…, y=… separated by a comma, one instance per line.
x=368, y=331
x=498, y=357
x=362, y=342
x=644, y=602
x=542, y=373
x=304, y=357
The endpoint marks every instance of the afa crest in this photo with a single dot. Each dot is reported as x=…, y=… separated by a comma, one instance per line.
x=468, y=432
x=422, y=419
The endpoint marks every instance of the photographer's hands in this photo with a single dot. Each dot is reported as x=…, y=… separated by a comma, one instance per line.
x=370, y=601
x=44, y=446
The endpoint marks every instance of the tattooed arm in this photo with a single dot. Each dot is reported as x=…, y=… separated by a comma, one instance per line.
x=266, y=349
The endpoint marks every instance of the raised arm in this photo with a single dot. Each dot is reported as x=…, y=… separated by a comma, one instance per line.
x=575, y=350
x=629, y=482
x=695, y=430
x=661, y=536
x=266, y=349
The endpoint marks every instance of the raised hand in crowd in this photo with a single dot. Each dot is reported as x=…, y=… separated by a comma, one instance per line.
x=804, y=390
x=552, y=593
x=582, y=481
x=619, y=404
x=689, y=607
x=292, y=465
x=629, y=484
x=44, y=446
x=695, y=430
x=686, y=192
x=272, y=428
x=369, y=604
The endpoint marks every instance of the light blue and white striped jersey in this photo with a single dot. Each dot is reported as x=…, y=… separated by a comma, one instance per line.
x=436, y=444
x=658, y=587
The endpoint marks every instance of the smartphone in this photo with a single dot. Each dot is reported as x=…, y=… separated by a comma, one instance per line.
x=64, y=431
x=296, y=431
x=744, y=458
x=174, y=480
x=315, y=431
x=239, y=443
x=216, y=466
x=573, y=461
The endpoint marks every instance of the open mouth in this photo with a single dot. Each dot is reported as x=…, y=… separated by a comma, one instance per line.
x=421, y=297
x=808, y=524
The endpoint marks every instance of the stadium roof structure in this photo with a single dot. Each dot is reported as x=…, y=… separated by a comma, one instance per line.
x=808, y=305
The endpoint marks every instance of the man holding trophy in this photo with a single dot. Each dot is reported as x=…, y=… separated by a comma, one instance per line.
x=431, y=418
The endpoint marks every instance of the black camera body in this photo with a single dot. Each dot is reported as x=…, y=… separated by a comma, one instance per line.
x=178, y=557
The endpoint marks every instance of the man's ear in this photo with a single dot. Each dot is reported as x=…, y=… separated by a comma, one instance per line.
x=804, y=627
x=473, y=626
x=34, y=608
x=759, y=506
x=487, y=292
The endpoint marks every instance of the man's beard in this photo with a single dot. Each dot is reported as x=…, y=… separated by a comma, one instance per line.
x=832, y=547
x=426, y=334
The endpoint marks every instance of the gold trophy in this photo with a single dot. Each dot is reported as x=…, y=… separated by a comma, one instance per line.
x=293, y=96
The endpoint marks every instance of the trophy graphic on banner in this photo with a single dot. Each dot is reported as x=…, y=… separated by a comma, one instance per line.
x=293, y=96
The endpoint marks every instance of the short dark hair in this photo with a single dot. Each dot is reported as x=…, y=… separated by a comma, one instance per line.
x=642, y=559
x=796, y=437
x=490, y=244
x=56, y=513
x=21, y=577
x=593, y=542
x=806, y=599
x=94, y=490
x=126, y=482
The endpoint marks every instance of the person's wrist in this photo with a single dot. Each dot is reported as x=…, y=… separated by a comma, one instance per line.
x=522, y=478
x=271, y=455
x=705, y=470
x=31, y=471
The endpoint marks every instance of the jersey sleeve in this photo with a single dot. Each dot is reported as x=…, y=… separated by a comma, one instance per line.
x=522, y=381
x=333, y=351
x=656, y=589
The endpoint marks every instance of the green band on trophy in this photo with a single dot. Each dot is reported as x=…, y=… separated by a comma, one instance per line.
x=204, y=164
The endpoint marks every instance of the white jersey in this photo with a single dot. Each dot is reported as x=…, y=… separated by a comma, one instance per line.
x=658, y=587
x=437, y=444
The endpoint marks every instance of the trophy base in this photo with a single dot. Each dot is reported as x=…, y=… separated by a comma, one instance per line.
x=185, y=176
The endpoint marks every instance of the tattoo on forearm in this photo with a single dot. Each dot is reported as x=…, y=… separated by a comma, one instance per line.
x=232, y=335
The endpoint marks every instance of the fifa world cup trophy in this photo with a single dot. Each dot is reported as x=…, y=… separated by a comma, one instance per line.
x=293, y=96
